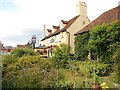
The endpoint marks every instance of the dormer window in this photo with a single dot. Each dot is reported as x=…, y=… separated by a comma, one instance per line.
x=54, y=28
x=49, y=31
x=63, y=23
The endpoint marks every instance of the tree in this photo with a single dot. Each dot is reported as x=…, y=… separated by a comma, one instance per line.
x=61, y=55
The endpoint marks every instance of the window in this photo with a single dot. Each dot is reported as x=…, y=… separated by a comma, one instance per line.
x=57, y=38
x=49, y=41
x=83, y=22
x=62, y=36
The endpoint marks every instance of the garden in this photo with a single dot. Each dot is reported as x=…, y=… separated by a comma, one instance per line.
x=23, y=68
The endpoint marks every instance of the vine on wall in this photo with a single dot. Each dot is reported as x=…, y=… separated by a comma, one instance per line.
x=81, y=46
x=105, y=40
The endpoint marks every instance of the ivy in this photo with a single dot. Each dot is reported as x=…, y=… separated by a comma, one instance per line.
x=81, y=46
x=104, y=40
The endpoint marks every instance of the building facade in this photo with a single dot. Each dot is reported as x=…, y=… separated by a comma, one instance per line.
x=64, y=33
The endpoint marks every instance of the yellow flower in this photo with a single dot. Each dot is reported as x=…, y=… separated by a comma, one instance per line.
x=103, y=84
x=106, y=87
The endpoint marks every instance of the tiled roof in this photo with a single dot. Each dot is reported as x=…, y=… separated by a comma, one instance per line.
x=106, y=17
x=70, y=22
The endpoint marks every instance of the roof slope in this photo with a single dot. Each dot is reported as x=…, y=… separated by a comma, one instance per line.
x=69, y=23
x=106, y=17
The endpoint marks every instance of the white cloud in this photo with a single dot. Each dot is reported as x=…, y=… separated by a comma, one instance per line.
x=33, y=14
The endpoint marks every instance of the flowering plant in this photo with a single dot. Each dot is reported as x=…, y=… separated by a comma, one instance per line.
x=103, y=85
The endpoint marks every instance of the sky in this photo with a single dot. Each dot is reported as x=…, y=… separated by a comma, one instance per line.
x=20, y=19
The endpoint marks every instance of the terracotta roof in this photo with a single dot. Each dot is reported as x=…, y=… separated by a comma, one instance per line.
x=64, y=22
x=70, y=22
x=22, y=46
x=106, y=17
x=49, y=30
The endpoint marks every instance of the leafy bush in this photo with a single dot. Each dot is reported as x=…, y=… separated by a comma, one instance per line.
x=65, y=85
x=116, y=67
x=29, y=72
x=104, y=40
x=19, y=52
x=8, y=59
x=87, y=68
x=61, y=56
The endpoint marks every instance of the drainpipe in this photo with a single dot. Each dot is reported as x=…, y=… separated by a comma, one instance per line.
x=68, y=39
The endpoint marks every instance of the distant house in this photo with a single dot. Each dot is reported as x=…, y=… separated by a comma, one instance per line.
x=42, y=50
x=8, y=49
x=64, y=33
x=5, y=50
x=22, y=46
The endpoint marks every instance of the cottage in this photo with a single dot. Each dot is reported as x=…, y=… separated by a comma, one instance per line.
x=64, y=33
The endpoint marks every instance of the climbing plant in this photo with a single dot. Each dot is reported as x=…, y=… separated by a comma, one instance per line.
x=81, y=46
x=105, y=39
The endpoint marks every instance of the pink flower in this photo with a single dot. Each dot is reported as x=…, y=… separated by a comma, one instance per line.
x=108, y=39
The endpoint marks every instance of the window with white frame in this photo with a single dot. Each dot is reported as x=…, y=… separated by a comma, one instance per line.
x=57, y=38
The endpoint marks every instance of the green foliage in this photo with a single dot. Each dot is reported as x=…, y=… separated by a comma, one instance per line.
x=61, y=56
x=29, y=72
x=19, y=52
x=86, y=68
x=81, y=46
x=116, y=73
x=104, y=40
x=65, y=85
x=36, y=72
x=8, y=59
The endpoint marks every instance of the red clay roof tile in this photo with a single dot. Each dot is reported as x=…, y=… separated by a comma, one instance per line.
x=106, y=17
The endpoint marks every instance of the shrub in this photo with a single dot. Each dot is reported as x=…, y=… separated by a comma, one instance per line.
x=8, y=59
x=87, y=69
x=104, y=40
x=61, y=56
x=29, y=72
x=19, y=52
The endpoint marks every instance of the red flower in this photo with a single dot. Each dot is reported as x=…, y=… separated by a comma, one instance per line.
x=98, y=42
x=108, y=39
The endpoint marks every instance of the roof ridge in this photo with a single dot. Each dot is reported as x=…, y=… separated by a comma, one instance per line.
x=58, y=31
x=105, y=17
